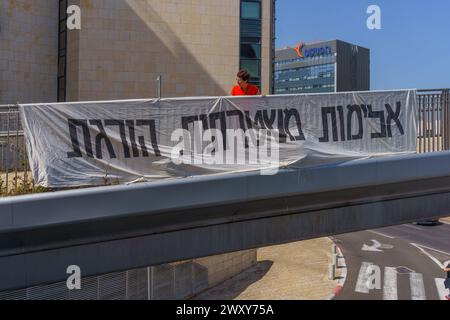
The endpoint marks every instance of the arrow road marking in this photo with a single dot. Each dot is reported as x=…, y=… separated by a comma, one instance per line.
x=442, y=292
x=376, y=247
x=417, y=286
x=390, y=284
x=373, y=248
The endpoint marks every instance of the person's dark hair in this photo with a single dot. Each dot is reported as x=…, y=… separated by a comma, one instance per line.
x=244, y=75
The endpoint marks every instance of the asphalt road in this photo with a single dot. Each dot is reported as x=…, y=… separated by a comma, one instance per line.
x=395, y=263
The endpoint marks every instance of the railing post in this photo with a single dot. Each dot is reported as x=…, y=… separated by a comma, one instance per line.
x=433, y=122
x=17, y=151
x=159, y=79
x=447, y=118
x=444, y=121
x=420, y=122
x=8, y=146
x=24, y=153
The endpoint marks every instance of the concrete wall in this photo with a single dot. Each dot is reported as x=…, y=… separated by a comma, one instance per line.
x=28, y=50
x=225, y=266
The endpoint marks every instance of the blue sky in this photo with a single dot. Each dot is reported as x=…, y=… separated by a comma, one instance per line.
x=412, y=50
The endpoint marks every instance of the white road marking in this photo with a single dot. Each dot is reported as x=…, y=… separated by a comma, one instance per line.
x=376, y=246
x=422, y=246
x=390, y=284
x=442, y=292
x=429, y=255
x=381, y=234
x=373, y=248
x=417, y=286
x=413, y=227
x=361, y=283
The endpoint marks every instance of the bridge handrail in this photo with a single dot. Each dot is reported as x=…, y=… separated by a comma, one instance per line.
x=30, y=211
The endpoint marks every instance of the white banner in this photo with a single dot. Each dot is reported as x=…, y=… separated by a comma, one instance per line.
x=98, y=143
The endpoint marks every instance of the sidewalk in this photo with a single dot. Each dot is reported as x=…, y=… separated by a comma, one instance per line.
x=295, y=271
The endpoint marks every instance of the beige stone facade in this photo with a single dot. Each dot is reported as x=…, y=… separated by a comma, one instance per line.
x=28, y=50
x=267, y=46
x=123, y=46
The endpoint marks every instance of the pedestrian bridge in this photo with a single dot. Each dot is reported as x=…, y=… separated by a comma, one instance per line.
x=116, y=228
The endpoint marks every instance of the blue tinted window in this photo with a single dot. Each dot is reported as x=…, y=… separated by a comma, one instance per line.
x=250, y=34
x=318, y=78
x=252, y=66
x=251, y=51
x=250, y=10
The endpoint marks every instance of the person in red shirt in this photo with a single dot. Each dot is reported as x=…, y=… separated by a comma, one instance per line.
x=244, y=88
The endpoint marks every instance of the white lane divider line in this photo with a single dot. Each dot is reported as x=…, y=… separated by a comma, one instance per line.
x=417, y=286
x=381, y=234
x=412, y=227
x=429, y=255
x=429, y=248
x=363, y=277
x=390, y=284
x=442, y=292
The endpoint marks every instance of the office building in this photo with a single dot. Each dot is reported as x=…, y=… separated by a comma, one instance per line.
x=330, y=66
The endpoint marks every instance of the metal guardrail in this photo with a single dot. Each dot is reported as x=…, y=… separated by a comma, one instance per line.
x=165, y=282
x=14, y=169
x=434, y=120
x=15, y=178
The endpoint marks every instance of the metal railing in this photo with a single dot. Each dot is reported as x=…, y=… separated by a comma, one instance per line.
x=15, y=177
x=163, y=282
x=433, y=121
x=15, y=174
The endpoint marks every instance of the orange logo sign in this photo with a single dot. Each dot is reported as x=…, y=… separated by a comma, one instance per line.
x=299, y=49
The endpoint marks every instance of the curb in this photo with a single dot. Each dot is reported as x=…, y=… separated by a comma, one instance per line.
x=343, y=275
